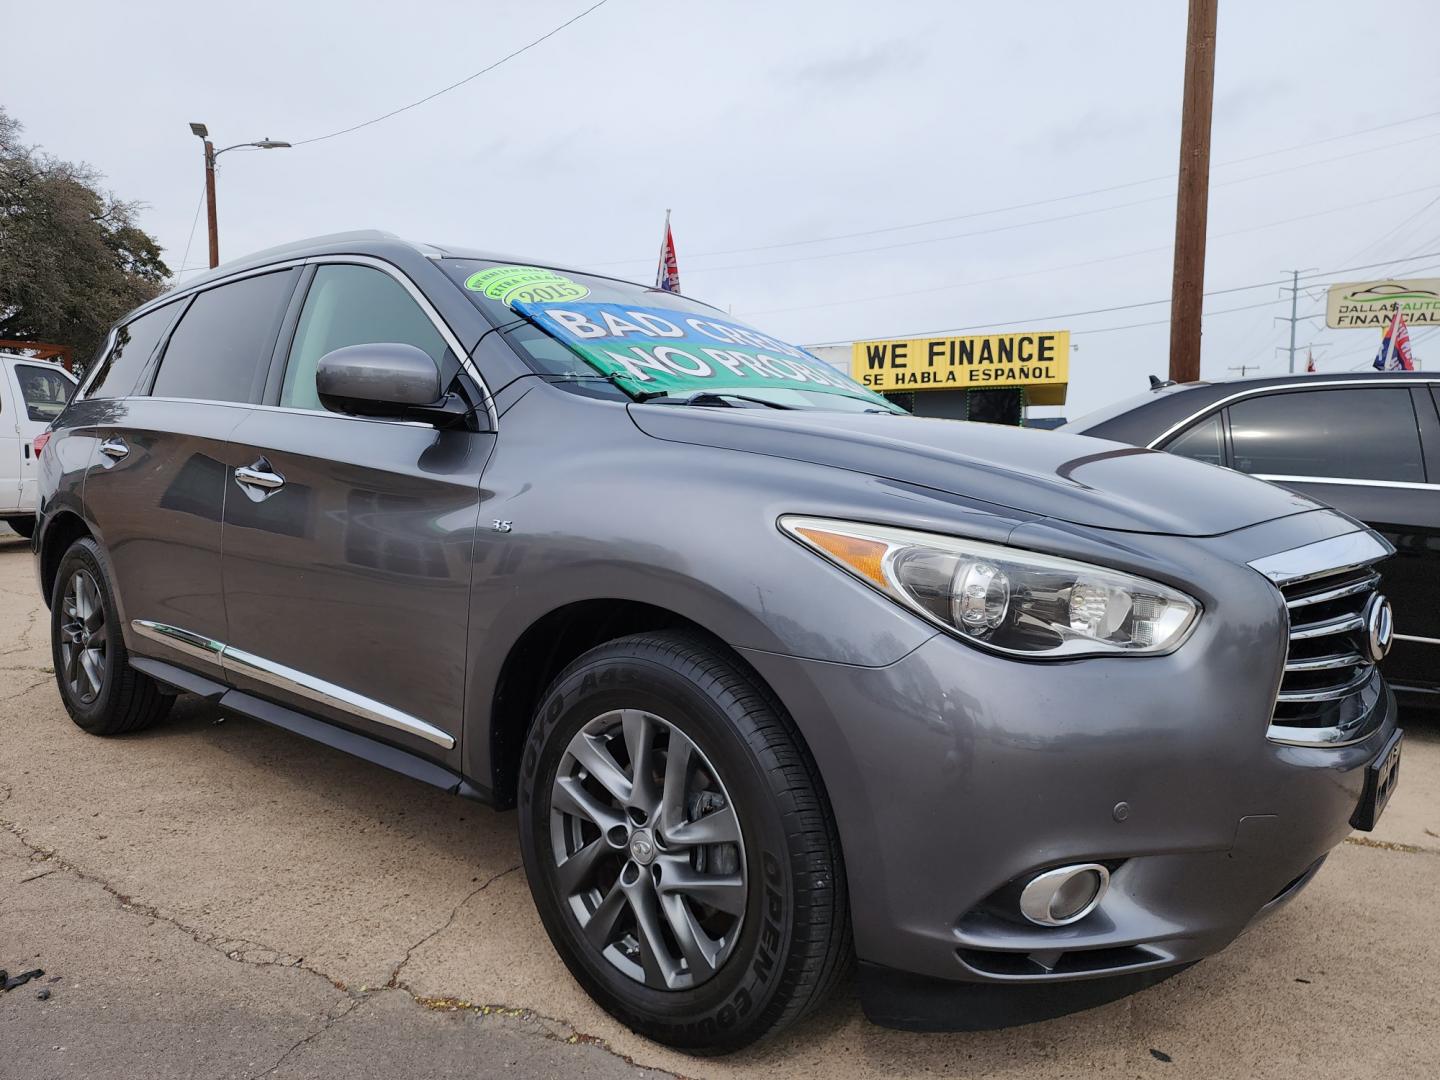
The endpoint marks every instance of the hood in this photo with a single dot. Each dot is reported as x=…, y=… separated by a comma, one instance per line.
x=1068, y=477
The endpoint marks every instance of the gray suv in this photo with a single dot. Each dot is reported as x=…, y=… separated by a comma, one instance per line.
x=775, y=674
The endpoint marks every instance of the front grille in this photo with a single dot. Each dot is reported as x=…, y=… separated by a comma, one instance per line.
x=1328, y=668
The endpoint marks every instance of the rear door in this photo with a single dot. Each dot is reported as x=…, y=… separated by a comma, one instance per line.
x=347, y=574
x=39, y=392
x=1359, y=449
x=155, y=493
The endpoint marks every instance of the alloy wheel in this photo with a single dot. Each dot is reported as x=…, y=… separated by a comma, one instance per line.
x=82, y=637
x=648, y=851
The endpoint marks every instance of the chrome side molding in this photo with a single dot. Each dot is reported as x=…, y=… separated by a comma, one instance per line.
x=231, y=660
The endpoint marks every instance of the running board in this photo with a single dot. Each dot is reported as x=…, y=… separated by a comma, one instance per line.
x=348, y=742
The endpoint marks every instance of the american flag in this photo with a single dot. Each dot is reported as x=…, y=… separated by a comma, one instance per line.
x=667, y=274
x=1394, y=354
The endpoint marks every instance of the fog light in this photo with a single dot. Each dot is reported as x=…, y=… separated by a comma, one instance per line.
x=1064, y=895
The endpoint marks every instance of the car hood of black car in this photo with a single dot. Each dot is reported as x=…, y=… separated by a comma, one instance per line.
x=1071, y=478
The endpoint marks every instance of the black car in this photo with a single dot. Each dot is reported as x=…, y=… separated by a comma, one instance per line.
x=1367, y=444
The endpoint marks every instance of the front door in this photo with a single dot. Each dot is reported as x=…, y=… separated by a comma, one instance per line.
x=348, y=541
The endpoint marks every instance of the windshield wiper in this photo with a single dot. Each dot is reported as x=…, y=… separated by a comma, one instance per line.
x=704, y=397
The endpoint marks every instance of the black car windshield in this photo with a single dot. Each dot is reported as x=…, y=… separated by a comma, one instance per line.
x=655, y=345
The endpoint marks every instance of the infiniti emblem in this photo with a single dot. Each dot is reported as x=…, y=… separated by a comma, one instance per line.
x=642, y=848
x=1379, y=627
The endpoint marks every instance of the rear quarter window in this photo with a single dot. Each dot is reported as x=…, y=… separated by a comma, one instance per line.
x=135, y=343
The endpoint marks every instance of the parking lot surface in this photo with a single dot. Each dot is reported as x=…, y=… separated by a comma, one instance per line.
x=216, y=898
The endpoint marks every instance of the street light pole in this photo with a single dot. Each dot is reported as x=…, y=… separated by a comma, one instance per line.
x=203, y=133
x=210, y=204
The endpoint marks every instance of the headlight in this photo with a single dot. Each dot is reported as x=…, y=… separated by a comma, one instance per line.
x=1004, y=598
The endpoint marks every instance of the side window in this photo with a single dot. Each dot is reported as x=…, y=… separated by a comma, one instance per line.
x=44, y=389
x=352, y=305
x=1204, y=441
x=221, y=349
x=1366, y=433
x=134, y=343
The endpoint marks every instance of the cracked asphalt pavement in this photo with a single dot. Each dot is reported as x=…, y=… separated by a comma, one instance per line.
x=216, y=898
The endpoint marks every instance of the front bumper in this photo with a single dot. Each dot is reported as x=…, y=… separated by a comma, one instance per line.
x=954, y=773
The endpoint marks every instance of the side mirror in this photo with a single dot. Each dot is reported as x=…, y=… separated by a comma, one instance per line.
x=386, y=379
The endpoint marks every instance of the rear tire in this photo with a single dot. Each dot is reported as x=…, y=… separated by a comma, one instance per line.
x=25, y=526
x=726, y=807
x=102, y=693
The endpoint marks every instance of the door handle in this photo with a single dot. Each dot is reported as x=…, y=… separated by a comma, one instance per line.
x=259, y=476
x=114, y=447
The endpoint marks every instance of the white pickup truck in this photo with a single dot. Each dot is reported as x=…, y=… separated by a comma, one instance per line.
x=32, y=393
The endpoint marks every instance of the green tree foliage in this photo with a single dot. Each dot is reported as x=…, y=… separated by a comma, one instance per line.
x=72, y=258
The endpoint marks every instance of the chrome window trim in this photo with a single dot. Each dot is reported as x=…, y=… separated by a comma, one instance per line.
x=1280, y=389
x=1334, y=555
x=231, y=660
x=1347, y=480
x=290, y=409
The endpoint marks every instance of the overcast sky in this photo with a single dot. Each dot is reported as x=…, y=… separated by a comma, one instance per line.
x=765, y=124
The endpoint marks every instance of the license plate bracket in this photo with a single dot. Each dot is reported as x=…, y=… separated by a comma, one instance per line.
x=1382, y=775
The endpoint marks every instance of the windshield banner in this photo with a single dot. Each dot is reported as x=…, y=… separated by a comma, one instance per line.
x=679, y=352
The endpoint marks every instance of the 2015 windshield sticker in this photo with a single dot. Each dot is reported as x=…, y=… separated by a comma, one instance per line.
x=528, y=284
x=677, y=351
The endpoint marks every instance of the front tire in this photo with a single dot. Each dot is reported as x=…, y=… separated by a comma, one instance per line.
x=102, y=693
x=679, y=844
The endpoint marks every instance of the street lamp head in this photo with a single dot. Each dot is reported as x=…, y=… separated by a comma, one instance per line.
x=272, y=144
x=201, y=130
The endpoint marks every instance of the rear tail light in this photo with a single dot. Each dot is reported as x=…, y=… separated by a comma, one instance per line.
x=40, y=441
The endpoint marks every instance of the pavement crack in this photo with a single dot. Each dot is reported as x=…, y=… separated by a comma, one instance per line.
x=330, y=1021
x=237, y=950
x=1389, y=845
x=393, y=983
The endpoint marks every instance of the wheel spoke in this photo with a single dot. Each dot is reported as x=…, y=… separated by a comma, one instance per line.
x=600, y=927
x=71, y=655
x=717, y=827
x=598, y=762
x=93, y=664
x=639, y=729
x=677, y=779
x=660, y=966
x=727, y=892
x=570, y=797
x=696, y=946
x=576, y=871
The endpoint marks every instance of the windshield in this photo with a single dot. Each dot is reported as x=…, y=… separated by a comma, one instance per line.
x=654, y=345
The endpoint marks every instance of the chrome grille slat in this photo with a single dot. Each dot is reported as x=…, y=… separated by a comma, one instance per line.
x=1328, y=693
x=1325, y=628
x=1325, y=663
x=1365, y=585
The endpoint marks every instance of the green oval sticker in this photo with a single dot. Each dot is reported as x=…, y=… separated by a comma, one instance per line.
x=531, y=284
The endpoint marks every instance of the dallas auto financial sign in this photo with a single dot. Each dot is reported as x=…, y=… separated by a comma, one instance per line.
x=1361, y=304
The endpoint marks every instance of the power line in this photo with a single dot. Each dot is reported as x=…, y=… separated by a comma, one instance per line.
x=1120, y=307
x=191, y=238
x=1076, y=195
x=455, y=85
x=1016, y=225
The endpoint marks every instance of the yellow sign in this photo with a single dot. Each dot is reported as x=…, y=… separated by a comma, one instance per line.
x=1038, y=360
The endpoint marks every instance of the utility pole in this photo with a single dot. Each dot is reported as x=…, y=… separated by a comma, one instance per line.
x=1294, y=318
x=1243, y=368
x=1188, y=286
